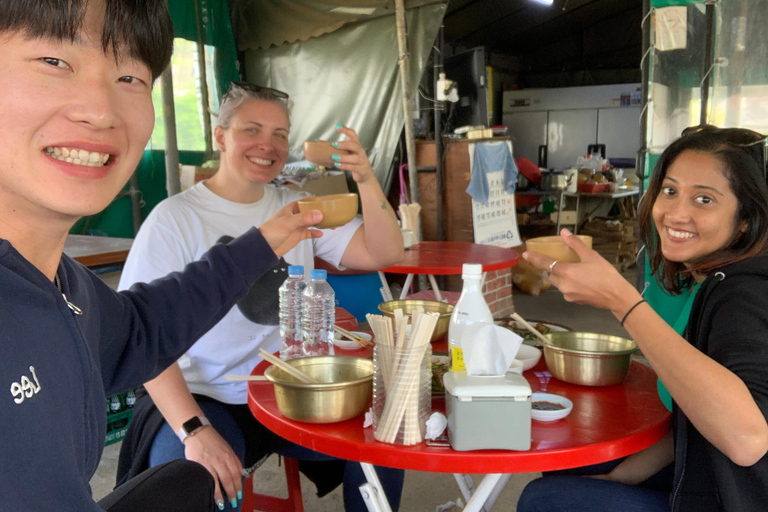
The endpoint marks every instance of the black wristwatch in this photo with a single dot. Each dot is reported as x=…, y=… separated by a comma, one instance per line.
x=192, y=426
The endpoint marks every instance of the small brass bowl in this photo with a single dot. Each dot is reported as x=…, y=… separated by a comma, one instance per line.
x=587, y=358
x=345, y=389
x=408, y=305
x=338, y=209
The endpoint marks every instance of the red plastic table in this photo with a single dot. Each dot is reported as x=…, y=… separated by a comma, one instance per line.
x=447, y=258
x=606, y=423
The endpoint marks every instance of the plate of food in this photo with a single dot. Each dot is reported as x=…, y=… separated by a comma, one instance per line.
x=528, y=337
x=441, y=364
x=347, y=344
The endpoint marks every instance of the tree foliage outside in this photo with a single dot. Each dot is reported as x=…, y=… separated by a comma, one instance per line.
x=187, y=102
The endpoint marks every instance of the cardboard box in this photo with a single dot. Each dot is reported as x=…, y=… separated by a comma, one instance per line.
x=191, y=174
x=566, y=217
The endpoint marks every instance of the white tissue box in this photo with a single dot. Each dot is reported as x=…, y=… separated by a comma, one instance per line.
x=488, y=413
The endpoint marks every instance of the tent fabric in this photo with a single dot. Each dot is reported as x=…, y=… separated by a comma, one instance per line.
x=208, y=22
x=349, y=77
x=260, y=24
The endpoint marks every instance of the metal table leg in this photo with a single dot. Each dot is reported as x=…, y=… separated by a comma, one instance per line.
x=386, y=293
x=433, y=282
x=373, y=493
x=487, y=486
x=406, y=286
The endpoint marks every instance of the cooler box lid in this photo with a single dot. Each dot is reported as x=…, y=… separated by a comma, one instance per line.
x=467, y=387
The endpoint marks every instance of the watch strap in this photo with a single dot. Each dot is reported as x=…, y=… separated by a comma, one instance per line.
x=192, y=426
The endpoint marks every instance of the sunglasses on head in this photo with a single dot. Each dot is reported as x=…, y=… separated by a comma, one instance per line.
x=737, y=136
x=257, y=88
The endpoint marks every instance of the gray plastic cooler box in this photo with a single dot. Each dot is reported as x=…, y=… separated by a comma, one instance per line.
x=488, y=413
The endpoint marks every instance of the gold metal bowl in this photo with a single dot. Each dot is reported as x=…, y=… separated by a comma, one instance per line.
x=588, y=358
x=408, y=305
x=345, y=389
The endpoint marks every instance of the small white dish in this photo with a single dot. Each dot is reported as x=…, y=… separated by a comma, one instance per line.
x=348, y=344
x=529, y=356
x=540, y=415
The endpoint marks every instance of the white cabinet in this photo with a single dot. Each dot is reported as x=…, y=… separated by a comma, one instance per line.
x=568, y=120
x=569, y=132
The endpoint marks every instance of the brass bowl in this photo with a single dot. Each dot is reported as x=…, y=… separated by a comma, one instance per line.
x=554, y=247
x=338, y=209
x=588, y=358
x=408, y=305
x=345, y=389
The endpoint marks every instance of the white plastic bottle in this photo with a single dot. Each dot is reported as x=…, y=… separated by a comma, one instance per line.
x=470, y=308
x=318, y=316
x=291, y=294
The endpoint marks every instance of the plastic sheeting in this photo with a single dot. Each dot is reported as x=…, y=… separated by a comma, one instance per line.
x=264, y=23
x=349, y=77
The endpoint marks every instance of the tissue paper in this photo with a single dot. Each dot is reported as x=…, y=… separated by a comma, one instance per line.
x=488, y=349
x=436, y=425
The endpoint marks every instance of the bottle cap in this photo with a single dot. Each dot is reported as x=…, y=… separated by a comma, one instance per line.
x=318, y=274
x=471, y=270
x=295, y=270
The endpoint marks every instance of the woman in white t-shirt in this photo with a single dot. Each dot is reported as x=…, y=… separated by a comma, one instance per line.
x=252, y=136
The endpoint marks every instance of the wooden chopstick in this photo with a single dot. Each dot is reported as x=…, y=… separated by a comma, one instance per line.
x=516, y=317
x=357, y=339
x=246, y=377
x=290, y=370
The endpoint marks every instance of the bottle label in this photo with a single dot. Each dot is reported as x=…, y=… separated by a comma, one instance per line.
x=456, y=356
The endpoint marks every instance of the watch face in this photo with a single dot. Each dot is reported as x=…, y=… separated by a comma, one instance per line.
x=192, y=424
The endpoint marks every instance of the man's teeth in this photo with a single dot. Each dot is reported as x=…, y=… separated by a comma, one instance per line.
x=78, y=156
x=680, y=234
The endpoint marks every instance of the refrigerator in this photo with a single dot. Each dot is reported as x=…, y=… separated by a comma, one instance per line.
x=553, y=127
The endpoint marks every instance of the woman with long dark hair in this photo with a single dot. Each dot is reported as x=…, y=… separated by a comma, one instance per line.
x=704, y=219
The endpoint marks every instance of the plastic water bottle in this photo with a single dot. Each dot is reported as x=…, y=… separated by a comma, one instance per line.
x=291, y=298
x=318, y=316
x=470, y=308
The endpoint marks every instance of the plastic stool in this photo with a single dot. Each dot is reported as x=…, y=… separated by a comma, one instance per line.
x=261, y=502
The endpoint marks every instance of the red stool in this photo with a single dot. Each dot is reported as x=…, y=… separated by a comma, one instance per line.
x=293, y=503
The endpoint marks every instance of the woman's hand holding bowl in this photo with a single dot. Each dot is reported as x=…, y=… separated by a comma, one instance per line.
x=592, y=281
x=356, y=162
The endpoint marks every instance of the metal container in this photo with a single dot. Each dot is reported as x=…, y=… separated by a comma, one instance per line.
x=344, y=391
x=587, y=358
x=555, y=181
x=408, y=305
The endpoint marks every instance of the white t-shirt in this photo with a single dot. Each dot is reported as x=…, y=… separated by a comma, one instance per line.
x=180, y=230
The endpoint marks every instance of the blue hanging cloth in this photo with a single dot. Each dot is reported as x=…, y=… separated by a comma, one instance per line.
x=491, y=157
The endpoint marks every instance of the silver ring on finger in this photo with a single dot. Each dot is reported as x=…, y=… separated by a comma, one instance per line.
x=552, y=265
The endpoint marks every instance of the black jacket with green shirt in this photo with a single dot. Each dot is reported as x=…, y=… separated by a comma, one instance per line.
x=729, y=323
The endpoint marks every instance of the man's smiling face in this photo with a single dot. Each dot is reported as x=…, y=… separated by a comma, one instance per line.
x=75, y=122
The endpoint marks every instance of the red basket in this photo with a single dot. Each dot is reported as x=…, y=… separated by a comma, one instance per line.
x=594, y=188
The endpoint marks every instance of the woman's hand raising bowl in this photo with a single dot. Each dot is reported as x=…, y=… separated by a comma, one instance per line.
x=338, y=209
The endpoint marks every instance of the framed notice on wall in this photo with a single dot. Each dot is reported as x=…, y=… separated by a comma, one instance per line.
x=494, y=222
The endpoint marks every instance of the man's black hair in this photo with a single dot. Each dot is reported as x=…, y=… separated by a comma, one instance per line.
x=138, y=29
